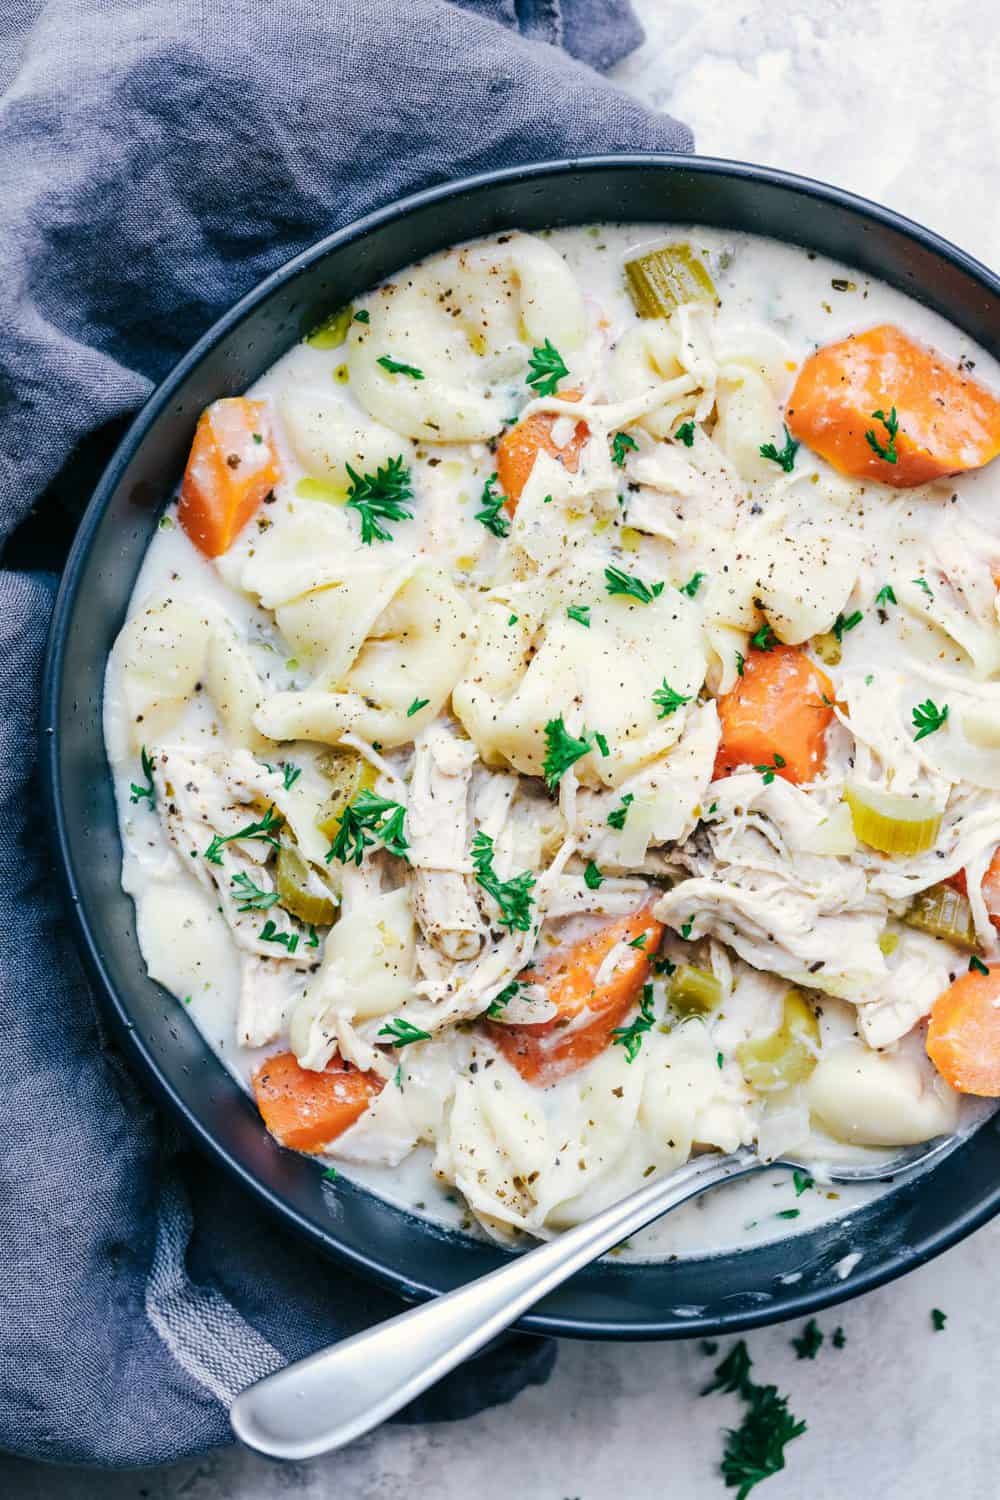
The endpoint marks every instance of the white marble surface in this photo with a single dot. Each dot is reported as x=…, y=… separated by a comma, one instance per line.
x=899, y=100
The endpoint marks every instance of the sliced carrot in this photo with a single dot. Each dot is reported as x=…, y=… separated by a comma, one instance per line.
x=521, y=445
x=231, y=467
x=948, y=422
x=963, y=1037
x=588, y=1011
x=306, y=1110
x=776, y=716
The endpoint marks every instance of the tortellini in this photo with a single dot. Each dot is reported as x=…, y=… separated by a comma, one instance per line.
x=328, y=437
x=866, y=1098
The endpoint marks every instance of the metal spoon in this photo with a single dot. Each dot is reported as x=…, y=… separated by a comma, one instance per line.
x=328, y=1399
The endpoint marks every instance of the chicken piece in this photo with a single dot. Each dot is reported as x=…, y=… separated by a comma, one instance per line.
x=437, y=827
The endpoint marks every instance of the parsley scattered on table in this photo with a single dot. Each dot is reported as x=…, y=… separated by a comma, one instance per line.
x=562, y=750
x=491, y=515
x=512, y=896
x=401, y=1033
x=783, y=457
x=808, y=1345
x=545, y=369
x=886, y=451
x=396, y=367
x=630, y=1037
x=147, y=792
x=381, y=496
x=369, y=818
x=263, y=830
x=250, y=897
x=838, y=1338
x=756, y=1449
x=619, y=582
x=620, y=445
x=928, y=718
x=939, y=1319
x=667, y=701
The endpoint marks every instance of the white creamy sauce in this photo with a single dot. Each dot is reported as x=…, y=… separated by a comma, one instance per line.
x=777, y=304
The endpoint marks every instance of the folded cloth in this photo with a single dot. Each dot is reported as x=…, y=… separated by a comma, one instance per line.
x=158, y=158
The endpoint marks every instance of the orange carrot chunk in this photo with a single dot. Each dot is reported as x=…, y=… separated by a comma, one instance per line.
x=990, y=887
x=588, y=1011
x=776, y=716
x=963, y=1037
x=305, y=1110
x=231, y=467
x=947, y=422
x=521, y=445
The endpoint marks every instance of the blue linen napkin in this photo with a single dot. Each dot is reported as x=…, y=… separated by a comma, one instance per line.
x=158, y=157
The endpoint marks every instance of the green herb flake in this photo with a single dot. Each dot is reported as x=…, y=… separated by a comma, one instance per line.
x=257, y=437
x=545, y=369
x=491, y=515
x=601, y=743
x=693, y=585
x=562, y=750
x=741, y=662
x=619, y=582
x=512, y=620
x=763, y=640
x=928, y=718
x=313, y=939
x=685, y=434
x=616, y=818
x=330, y=1175
x=788, y=1213
x=396, y=367
x=290, y=774
x=667, y=701
x=838, y=1338
x=756, y=1449
x=381, y=496
x=364, y=316
x=939, y=1319
x=923, y=584
x=263, y=829
x=886, y=595
x=145, y=793
x=416, y=706
x=499, y=1003
x=630, y=1037
x=686, y=927
x=620, y=445
x=769, y=771
x=401, y=1033
x=580, y=613
x=640, y=941
x=250, y=897
x=976, y=965
x=270, y=934
x=512, y=896
x=719, y=1061
x=802, y=1182
x=368, y=819
x=592, y=877
x=886, y=451
x=783, y=457
x=842, y=624
x=810, y=1342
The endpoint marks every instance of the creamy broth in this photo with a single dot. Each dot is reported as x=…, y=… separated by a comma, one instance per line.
x=668, y=513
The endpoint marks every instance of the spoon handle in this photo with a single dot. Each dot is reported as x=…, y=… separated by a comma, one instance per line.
x=331, y=1398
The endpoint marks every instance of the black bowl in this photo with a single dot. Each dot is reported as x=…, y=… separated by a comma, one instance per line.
x=665, y=1300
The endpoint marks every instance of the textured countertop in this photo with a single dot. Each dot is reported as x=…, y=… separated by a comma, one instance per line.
x=898, y=100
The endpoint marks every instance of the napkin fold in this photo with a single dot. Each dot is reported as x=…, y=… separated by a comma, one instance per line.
x=159, y=157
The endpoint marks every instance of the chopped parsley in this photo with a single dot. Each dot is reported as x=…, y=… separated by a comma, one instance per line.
x=545, y=369
x=580, y=613
x=928, y=718
x=313, y=939
x=768, y=771
x=719, y=1060
x=401, y=1033
x=138, y=793
x=667, y=701
x=562, y=750
x=263, y=829
x=640, y=941
x=763, y=639
x=885, y=451
x=592, y=877
x=788, y=1213
x=842, y=624
x=630, y=1037
x=616, y=819
x=397, y=1077
x=250, y=897
x=416, y=706
x=498, y=1004
x=620, y=445
x=693, y=585
x=686, y=927
x=396, y=367
x=756, y=1449
x=939, y=1319
x=802, y=1182
x=270, y=934
x=330, y=1175
x=783, y=457
x=685, y=434
x=492, y=505
x=923, y=584
x=291, y=774
x=741, y=662
x=627, y=583
x=512, y=896
x=381, y=496
x=364, y=316
x=512, y=620
x=886, y=595
x=808, y=1345
x=367, y=819
x=838, y=1338
x=976, y=965
x=601, y=743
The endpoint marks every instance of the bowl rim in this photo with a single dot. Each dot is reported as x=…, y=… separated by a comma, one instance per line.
x=794, y=1305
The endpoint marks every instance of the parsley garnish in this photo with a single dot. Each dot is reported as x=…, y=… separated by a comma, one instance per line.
x=693, y=585
x=891, y=425
x=401, y=1033
x=783, y=457
x=617, y=818
x=366, y=818
x=685, y=434
x=630, y=1037
x=788, y=1213
x=886, y=595
x=756, y=1449
x=512, y=620
x=840, y=624
x=330, y=1175
x=291, y=774
x=148, y=791
x=640, y=941
x=741, y=662
x=263, y=830
x=811, y=1341
x=545, y=369
x=767, y=771
x=580, y=613
x=627, y=583
x=923, y=584
x=938, y=1318
x=667, y=701
x=802, y=1181
x=976, y=965
x=719, y=1060
x=620, y=445
x=927, y=718
x=686, y=927
x=313, y=940
x=562, y=750
x=513, y=896
x=763, y=639
x=499, y=1003
x=364, y=316
x=397, y=1077
x=592, y=877
x=250, y=897
x=492, y=505
x=601, y=743
x=416, y=706
x=396, y=367
x=838, y=1338
x=380, y=496
x=270, y=934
